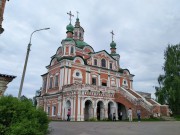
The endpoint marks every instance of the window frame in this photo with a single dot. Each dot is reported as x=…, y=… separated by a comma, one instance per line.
x=103, y=63
x=54, y=110
x=95, y=62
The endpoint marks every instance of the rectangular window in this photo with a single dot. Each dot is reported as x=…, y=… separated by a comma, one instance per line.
x=56, y=81
x=51, y=82
x=110, y=65
x=48, y=110
x=93, y=81
x=53, y=110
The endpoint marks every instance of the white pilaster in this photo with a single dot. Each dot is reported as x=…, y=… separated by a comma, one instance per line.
x=78, y=115
x=99, y=82
x=69, y=76
x=59, y=107
x=74, y=106
x=82, y=110
x=65, y=79
x=108, y=81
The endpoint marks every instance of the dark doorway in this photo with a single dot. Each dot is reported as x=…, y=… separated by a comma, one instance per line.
x=88, y=110
x=122, y=109
x=100, y=110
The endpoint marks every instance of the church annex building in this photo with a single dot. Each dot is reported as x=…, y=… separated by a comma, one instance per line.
x=90, y=84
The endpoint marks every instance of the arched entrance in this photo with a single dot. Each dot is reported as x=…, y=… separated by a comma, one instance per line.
x=110, y=110
x=68, y=107
x=88, y=110
x=100, y=110
x=122, y=108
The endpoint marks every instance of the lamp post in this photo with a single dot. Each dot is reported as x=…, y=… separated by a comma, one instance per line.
x=26, y=60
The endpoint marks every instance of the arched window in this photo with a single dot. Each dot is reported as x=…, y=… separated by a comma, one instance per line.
x=72, y=49
x=103, y=63
x=95, y=62
x=80, y=35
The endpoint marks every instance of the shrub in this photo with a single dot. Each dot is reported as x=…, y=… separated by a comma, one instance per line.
x=19, y=117
x=92, y=119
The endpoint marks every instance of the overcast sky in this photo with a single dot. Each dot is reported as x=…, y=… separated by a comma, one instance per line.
x=143, y=29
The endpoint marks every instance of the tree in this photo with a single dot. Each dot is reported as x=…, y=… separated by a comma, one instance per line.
x=168, y=91
x=20, y=117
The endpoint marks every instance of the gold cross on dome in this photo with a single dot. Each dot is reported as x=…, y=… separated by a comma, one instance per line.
x=70, y=15
x=112, y=34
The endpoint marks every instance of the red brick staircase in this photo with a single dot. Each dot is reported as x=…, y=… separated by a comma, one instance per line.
x=131, y=99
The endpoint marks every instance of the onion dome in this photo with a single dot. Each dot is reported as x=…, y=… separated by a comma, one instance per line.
x=113, y=44
x=70, y=28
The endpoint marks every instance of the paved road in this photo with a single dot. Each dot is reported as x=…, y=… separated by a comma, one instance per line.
x=115, y=128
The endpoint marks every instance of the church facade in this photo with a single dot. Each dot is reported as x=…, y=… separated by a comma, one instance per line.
x=90, y=84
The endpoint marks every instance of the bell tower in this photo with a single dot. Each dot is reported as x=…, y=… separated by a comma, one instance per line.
x=113, y=50
x=78, y=30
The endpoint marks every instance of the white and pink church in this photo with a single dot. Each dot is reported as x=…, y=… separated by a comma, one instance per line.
x=90, y=84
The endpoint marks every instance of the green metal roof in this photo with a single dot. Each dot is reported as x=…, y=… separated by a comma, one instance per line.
x=80, y=44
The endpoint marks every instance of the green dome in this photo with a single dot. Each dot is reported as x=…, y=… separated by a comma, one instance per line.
x=113, y=44
x=70, y=28
x=80, y=44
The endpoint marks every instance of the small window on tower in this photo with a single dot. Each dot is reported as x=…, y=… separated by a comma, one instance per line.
x=80, y=35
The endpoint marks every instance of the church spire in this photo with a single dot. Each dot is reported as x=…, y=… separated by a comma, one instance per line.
x=77, y=24
x=113, y=44
x=69, y=27
x=78, y=30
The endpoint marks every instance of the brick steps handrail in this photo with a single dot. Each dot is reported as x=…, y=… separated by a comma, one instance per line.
x=134, y=100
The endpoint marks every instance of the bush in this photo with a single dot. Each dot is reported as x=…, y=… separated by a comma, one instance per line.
x=19, y=117
x=92, y=119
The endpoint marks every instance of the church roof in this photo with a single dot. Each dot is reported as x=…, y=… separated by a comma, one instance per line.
x=5, y=75
x=105, y=52
x=80, y=44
